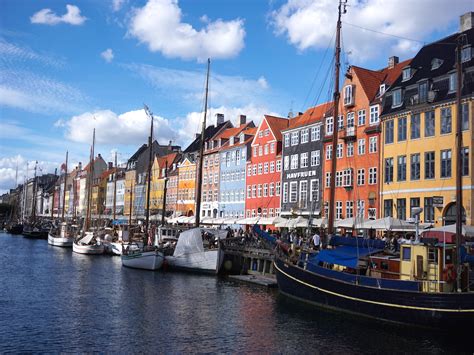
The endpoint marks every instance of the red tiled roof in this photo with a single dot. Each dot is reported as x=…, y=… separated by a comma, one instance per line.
x=277, y=124
x=311, y=115
x=394, y=73
x=167, y=160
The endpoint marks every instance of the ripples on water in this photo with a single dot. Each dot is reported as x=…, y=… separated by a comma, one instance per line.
x=52, y=300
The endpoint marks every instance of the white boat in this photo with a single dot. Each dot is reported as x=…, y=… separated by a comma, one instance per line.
x=191, y=254
x=142, y=259
x=87, y=245
x=61, y=237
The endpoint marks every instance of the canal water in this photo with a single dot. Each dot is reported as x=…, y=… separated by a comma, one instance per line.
x=52, y=300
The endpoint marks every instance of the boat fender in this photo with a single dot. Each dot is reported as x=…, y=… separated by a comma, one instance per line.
x=449, y=273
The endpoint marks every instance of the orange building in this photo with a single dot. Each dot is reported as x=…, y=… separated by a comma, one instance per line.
x=186, y=203
x=358, y=145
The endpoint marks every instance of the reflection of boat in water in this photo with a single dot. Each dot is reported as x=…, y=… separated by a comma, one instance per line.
x=195, y=253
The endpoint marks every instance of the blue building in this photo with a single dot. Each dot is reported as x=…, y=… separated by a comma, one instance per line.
x=233, y=161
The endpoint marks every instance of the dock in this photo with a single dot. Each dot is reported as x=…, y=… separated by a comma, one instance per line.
x=260, y=280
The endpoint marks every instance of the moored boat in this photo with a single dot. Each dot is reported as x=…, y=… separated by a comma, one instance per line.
x=142, y=258
x=61, y=236
x=88, y=244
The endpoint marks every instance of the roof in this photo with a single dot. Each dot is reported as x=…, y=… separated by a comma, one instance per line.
x=277, y=124
x=227, y=134
x=311, y=115
x=167, y=160
x=97, y=158
x=210, y=132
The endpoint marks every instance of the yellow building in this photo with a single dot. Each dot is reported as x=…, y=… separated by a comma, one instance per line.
x=130, y=180
x=186, y=203
x=418, y=159
x=158, y=175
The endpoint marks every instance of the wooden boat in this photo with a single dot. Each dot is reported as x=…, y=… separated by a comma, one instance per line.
x=61, y=236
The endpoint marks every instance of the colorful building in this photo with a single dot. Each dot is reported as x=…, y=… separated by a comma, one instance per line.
x=186, y=202
x=419, y=135
x=263, y=183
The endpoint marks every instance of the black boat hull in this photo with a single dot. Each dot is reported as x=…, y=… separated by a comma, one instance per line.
x=16, y=229
x=439, y=310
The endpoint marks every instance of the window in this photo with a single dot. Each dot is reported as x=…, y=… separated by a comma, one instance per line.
x=259, y=190
x=265, y=190
x=348, y=95
x=465, y=117
x=406, y=253
x=294, y=138
x=446, y=163
x=381, y=89
x=278, y=165
x=465, y=161
x=402, y=129
x=328, y=152
x=372, y=176
x=446, y=120
x=436, y=63
x=287, y=139
x=277, y=189
x=415, y=126
x=249, y=191
x=466, y=54
x=388, y=170
x=260, y=151
x=293, y=191
x=350, y=149
x=314, y=186
x=271, y=190
x=401, y=209
x=361, y=117
x=254, y=169
x=303, y=194
x=328, y=179
x=338, y=209
x=402, y=168
x=452, y=82
x=294, y=161
x=340, y=122
x=389, y=132
x=260, y=168
x=349, y=209
x=339, y=150
x=272, y=167
x=373, y=144
x=254, y=191
x=429, y=123
x=237, y=159
x=423, y=92
x=350, y=119
x=428, y=209
x=315, y=158
x=339, y=175
x=329, y=125
x=374, y=114
x=265, y=151
x=429, y=165
x=315, y=133
x=397, y=98
x=361, y=177
x=415, y=166
x=304, y=135
x=287, y=163
x=414, y=202
x=406, y=74
x=361, y=146
x=360, y=208
x=265, y=168
x=347, y=177
x=304, y=160
x=388, y=208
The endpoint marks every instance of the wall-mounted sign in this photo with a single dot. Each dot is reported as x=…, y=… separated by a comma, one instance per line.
x=438, y=201
x=300, y=174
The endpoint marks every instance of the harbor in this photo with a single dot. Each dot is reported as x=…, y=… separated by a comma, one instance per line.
x=53, y=300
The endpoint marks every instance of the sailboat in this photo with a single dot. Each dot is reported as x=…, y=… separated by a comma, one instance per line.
x=344, y=278
x=87, y=241
x=148, y=257
x=190, y=252
x=33, y=229
x=62, y=236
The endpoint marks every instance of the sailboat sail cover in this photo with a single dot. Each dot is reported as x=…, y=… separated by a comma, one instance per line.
x=345, y=255
x=189, y=242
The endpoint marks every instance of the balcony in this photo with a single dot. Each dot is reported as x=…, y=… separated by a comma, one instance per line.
x=375, y=128
x=350, y=134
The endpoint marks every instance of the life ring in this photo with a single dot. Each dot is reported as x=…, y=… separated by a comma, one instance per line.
x=449, y=273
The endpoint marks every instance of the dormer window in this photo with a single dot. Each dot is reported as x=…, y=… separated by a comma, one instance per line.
x=382, y=89
x=397, y=98
x=423, y=91
x=406, y=74
x=436, y=63
x=466, y=54
x=242, y=138
x=452, y=82
x=349, y=95
x=231, y=140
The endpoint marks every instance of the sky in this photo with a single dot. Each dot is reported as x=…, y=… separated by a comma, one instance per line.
x=67, y=67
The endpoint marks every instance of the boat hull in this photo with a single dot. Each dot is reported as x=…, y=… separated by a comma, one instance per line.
x=93, y=249
x=148, y=260
x=208, y=262
x=417, y=308
x=60, y=242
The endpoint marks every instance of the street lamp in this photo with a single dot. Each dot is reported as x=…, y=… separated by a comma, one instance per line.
x=415, y=211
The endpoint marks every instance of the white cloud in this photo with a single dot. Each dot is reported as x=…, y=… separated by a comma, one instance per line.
x=312, y=24
x=108, y=55
x=48, y=17
x=117, y=4
x=159, y=25
x=38, y=94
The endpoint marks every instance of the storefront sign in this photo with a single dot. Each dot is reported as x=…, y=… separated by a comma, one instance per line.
x=438, y=201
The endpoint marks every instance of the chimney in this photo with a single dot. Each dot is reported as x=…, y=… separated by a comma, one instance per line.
x=392, y=61
x=467, y=20
x=169, y=145
x=300, y=113
x=242, y=119
x=79, y=166
x=219, y=118
x=111, y=165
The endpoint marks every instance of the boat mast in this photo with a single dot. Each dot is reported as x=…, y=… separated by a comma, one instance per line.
x=64, y=189
x=336, y=95
x=459, y=208
x=164, y=194
x=115, y=185
x=130, y=205
x=150, y=157
x=33, y=203
x=201, y=151
x=89, y=185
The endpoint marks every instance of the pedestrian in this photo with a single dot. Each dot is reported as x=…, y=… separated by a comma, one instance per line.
x=316, y=241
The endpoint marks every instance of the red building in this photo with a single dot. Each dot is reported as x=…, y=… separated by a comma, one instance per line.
x=263, y=183
x=358, y=146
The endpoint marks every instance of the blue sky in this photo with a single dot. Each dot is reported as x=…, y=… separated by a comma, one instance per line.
x=69, y=66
